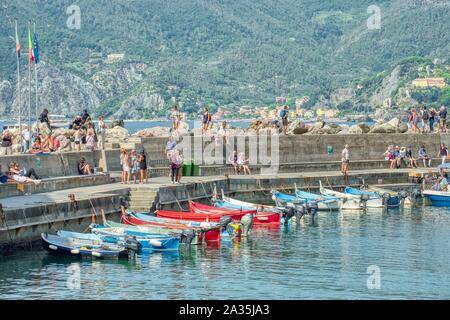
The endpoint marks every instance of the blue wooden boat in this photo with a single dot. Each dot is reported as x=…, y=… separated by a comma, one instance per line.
x=84, y=248
x=438, y=198
x=147, y=241
x=391, y=201
x=323, y=202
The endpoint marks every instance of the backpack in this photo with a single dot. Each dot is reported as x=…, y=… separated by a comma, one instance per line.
x=425, y=115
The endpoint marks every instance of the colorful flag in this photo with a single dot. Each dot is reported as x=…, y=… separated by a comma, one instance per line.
x=17, y=43
x=36, y=48
x=30, y=45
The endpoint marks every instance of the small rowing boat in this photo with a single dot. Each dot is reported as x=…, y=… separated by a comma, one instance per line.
x=82, y=248
x=437, y=198
x=385, y=200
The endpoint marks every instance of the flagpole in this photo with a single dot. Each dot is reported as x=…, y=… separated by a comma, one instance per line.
x=36, y=83
x=18, y=85
x=29, y=77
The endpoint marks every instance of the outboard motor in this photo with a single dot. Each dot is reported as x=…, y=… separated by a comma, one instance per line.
x=132, y=244
x=247, y=224
x=300, y=211
x=385, y=197
x=288, y=214
x=363, y=199
x=312, y=207
x=225, y=221
x=187, y=236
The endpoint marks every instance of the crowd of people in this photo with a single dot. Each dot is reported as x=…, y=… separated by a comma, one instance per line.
x=42, y=139
x=133, y=165
x=424, y=120
x=404, y=156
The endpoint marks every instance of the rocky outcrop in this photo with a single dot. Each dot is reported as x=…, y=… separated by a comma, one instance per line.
x=137, y=106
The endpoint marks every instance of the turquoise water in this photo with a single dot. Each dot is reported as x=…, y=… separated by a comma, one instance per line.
x=325, y=259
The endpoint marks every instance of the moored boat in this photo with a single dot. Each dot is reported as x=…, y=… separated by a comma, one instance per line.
x=437, y=198
x=385, y=200
x=84, y=248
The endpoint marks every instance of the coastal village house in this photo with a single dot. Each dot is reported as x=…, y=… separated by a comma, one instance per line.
x=429, y=82
x=115, y=57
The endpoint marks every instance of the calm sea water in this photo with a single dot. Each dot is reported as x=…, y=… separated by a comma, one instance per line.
x=327, y=259
x=135, y=126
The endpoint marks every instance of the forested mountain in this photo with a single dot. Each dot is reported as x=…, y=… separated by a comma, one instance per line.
x=219, y=52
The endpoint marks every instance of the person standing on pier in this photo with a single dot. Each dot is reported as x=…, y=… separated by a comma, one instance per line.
x=176, y=162
x=425, y=119
x=443, y=119
x=43, y=118
x=345, y=162
x=432, y=119
x=101, y=131
x=143, y=167
x=26, y=139
x=443, y=152
x=284, y=115
x=175, y=115
x=206, y=121
x=6, y=139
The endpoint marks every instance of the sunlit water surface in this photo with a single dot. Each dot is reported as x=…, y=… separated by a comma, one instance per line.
x=327, y=259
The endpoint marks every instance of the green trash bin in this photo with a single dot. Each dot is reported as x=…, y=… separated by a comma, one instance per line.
x=187, y=169
x=195, y=169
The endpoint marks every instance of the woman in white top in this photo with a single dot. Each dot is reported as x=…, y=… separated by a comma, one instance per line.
x=243, y=163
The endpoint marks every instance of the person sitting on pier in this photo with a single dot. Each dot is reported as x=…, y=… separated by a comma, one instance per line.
x=3, y=176
x=423, y=155
x=412, y=162
x=47, y=144
x=76, y=123
x=23, y=175
x=234, y=162
x=396, y=155
x=389, y=156
x=37, y=147
x=84, y=168
x=243, y=163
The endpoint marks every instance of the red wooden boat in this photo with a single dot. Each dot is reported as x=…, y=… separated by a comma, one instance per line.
x=199, y=216
x=210, y=234
x=259, y=218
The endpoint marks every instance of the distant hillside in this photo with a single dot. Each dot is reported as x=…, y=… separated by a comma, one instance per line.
x=219, y=52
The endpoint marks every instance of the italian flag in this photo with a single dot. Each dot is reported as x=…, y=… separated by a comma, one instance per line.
x=30, y=44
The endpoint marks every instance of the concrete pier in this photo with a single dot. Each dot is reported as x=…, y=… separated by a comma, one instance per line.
x=65, y=200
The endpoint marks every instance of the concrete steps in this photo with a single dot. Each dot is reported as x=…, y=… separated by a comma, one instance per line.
x=142, y=198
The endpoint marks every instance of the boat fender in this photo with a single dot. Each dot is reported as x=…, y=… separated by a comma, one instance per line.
x=53, y=247
x=156, y=243
x=75, y=251
x=96, y=254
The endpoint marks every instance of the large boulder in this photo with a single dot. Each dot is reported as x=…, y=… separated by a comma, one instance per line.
x=383, y=128
x=116, y=133
x=153, y=132
x=364, y=127
x=297, y=127
x=355, y=129
x=403, y=128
